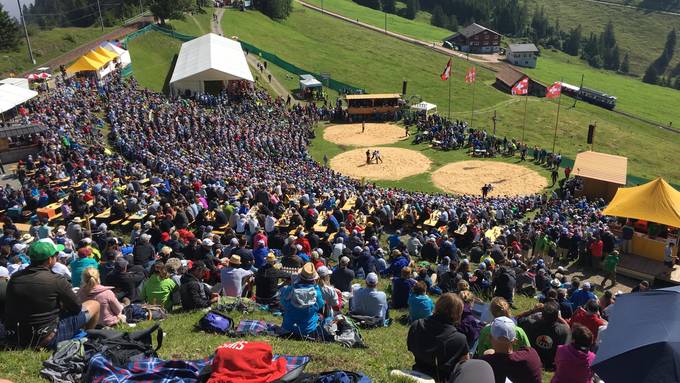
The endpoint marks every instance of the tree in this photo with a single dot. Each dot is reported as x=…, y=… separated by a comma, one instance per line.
x=389, y=6
x=661, y=63
x=412, y=8
x=625, y=64
x=439, y=18
x=9, y=30
x=373, y=4
x=275, y=9
x=651, y=76
x=573, y=41
x=453, y=24
x=170, y=9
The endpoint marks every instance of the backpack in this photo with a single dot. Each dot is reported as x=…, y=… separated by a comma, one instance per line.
x=122, y=348
x=155, y=312
x=135, y=313
x=338, y=376
x=215, y=322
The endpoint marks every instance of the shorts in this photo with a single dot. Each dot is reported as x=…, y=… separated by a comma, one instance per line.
x=68, y=328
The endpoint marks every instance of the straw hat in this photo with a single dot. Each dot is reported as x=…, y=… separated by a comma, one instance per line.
x=235, y=260
x=308, y=272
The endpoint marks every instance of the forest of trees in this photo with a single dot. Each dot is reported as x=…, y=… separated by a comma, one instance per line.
x=9, y=30
x=659, y=71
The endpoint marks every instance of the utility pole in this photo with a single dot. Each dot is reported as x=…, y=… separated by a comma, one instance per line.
x=385, y=22
x=494, y=123
x=28, y=41
x=141, y=8
x=101, y=20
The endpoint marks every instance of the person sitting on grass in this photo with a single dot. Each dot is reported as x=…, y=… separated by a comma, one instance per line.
x=499, y=307
x=79, y=265
x=523, y=365
x=573, y=361
x=401, y=288
x=302, y=301
x=267, y=281
x=435, y=343
x=588, y=316
x=41, y=308
x=194, y=293
x=419, y=304
x=158, y=288
x=369, y=301
x=110, y=309
x=469, y=324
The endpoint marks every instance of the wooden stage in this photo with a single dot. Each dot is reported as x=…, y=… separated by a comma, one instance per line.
x=638, y=267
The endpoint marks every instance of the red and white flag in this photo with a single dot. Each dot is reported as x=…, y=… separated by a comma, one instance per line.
x=554, y=90
x=522, y=87
x=471, y=75
x=447, y=71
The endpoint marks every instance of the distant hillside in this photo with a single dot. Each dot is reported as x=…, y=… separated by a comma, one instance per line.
x=641, y=33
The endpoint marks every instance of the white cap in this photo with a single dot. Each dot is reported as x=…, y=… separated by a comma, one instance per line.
x=208, y=242
x=324, y=271
x=372, y=279
x=503, y=327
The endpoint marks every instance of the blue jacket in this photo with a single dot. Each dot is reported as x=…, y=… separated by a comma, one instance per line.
x=77, y=268
x=260, y=255
x=397, y=265
x=419, y=306
x=401, y=289
x=580, y=297
x=301, y=306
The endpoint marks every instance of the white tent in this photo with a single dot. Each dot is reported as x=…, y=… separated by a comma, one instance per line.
x=209, y=60
x=308, y=81
x=424, y=107
x=16, y=81
x=123, y=55
x=11, y=96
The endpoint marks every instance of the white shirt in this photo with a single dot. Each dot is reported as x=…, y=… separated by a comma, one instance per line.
x=269, y=224
x=232, y=281
x=62, y=269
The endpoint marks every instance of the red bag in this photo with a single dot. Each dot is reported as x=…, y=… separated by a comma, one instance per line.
x=246, y=362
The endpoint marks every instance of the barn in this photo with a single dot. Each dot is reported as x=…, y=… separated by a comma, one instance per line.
x=507, y=77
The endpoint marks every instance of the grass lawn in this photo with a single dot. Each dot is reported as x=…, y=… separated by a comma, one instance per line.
x=46, y=44
x=152, y=56
x=412, y=28
x=357, y=56
x=193, y=24
x=386, y=347
x=639, y=32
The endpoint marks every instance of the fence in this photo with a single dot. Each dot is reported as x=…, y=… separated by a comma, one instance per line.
x=338, y=86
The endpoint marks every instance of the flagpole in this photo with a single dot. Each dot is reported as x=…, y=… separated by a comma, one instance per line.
x=472, y=119
x=449, y=80
x=557, y=118
x=524, y=125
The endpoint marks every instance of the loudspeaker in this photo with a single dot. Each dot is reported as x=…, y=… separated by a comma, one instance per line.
x=403, y=87
x=591, y=133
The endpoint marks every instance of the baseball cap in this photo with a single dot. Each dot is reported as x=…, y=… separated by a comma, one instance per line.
x=324, y=271
x=372, y=279
x=503, y=327
x=41, y=251
x=586, y=285
x=208, y=242
x=344, y=260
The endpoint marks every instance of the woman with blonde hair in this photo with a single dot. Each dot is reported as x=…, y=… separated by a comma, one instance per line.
x=435, y=342
x=110, y=313
x=469, y=324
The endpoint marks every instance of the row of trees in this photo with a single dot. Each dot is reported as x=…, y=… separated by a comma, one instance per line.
x=276, y=9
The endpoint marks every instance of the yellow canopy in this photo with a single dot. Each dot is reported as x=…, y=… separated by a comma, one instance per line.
x=106, y=53
x=84, y=64
x=655, y=201
x=96, y=56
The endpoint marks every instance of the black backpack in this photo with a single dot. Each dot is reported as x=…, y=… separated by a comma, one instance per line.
x=122, y=348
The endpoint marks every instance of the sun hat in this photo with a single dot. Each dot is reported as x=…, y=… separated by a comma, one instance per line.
x=503, y=327
x=344, y=260
x=235, y=260
x=372, y=279
x=271, y=258
x=77, y=220
x=41, y=251
x=27, y=238
x=167, y=250
x=324, y=271
x=308, y=272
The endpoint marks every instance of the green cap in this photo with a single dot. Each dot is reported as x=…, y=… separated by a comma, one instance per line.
x=42, y=250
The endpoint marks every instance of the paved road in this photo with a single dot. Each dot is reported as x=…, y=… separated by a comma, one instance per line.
x=279, y=88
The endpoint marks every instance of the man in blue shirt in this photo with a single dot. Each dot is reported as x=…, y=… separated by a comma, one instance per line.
x=302, y=302
x=582, y=296
x=368, y=301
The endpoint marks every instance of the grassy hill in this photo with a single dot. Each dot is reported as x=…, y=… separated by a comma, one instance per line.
x=152, y=56
x=372, y=60
x=640, y=32
x=47, y=44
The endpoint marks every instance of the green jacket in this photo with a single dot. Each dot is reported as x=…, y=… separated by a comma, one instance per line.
x=158, y=291
x=610, y=262
x=484, y=340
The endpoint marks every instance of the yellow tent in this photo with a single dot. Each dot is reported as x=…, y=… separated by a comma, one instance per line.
x=106, y=53
x=96, y=56
x=83, y=64
x=655, y=201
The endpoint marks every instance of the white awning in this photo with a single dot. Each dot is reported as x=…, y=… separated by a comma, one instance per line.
x=308, y=81
x=123, y=55
x=423, y=107
x=16, y=81
x=11, y=96
x=211, y=58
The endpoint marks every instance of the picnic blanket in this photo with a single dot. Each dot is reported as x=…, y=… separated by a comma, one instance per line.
x=149, y=370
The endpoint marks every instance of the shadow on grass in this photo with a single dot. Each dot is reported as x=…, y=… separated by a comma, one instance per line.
x=168, y=76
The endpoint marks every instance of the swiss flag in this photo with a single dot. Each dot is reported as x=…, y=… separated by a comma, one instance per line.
x=522, y=87
x=447, y=71
x=471, y=75
x=554, y=90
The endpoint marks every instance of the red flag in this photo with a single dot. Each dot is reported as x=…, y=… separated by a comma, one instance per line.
x=447, y=71
x=522, y=87
x=471, y=75
x=554, y=90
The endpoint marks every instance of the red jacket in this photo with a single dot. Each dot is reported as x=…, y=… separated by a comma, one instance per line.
x=590, y=321
x=596, y=248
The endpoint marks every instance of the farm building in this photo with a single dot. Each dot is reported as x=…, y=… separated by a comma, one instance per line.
x=507, y=77
x=476, y=38
x=522, y=55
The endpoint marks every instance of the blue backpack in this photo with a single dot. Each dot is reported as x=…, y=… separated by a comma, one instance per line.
x=216, y=322
x=342, y=377
x=135, y=313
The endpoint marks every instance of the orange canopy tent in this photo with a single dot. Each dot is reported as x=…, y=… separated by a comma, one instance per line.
x=655, y=201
